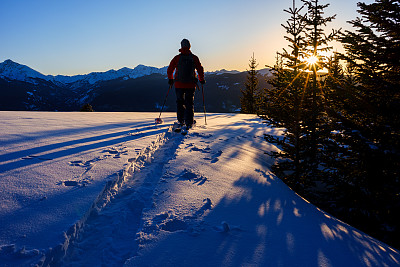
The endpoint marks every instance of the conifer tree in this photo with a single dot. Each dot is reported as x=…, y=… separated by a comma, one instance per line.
x=342, y=128
x=284, y=99
x=373, y=54
x=299, y=92
x=317, y=44
x=87, y=108
x=250, y=95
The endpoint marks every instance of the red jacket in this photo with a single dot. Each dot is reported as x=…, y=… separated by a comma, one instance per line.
x=174, y=63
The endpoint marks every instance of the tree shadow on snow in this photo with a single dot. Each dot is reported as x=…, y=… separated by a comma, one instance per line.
x=268, y=225
x=79, y=145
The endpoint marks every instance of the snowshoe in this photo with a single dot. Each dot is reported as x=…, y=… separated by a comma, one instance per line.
x=184, y=130
x=177, y=127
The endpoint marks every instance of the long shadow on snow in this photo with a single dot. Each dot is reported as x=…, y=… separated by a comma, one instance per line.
x=291, y=232
x=40, y=149
x=122, y=137
x=23, y=216
x=286, y=230
x=66, y=132
x=121, y=218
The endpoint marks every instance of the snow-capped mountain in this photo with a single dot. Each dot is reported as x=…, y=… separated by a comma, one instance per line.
x=263, y=72
x=126, y=73
x=14, y=71
x=140, y=89
x=223, y=71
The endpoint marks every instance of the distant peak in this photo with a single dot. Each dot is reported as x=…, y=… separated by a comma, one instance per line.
x=141, y=67
x=9, y=61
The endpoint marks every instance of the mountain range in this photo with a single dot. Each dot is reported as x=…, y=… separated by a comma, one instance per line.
x=142, y=88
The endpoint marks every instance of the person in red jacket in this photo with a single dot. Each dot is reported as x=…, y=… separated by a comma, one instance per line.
x=184, y=65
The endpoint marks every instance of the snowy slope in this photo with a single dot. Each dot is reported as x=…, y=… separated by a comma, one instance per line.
x=141, y=195
x=14, y=71
x=127, y=73
x=52, y=168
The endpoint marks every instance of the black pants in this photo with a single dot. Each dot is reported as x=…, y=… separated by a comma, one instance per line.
x=184, y=104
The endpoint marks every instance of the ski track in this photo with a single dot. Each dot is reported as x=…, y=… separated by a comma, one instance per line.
x=106, y=234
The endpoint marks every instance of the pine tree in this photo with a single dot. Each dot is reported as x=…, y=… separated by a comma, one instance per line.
x=342, y=127
x=250, y=95
x=373, y=54
x=297, y=100
x=284, y=99
x=317, y=44
x=87, y=108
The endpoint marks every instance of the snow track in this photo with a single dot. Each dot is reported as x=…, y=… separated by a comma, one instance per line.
x=205, y=199
x=108, y=230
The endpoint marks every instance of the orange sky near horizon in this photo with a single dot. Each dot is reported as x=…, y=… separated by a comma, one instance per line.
x=78, y=37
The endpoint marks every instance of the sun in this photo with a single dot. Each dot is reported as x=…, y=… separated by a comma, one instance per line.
x=312, y=60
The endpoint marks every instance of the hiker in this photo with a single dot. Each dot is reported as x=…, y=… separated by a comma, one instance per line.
x=185, y=82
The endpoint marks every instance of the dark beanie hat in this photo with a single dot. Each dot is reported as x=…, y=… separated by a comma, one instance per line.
x=185, y=43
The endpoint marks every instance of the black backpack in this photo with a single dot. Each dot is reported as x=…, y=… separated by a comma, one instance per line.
x=185, y=70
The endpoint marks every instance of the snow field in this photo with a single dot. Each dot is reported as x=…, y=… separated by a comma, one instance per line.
x=159, y=198
x=217, y=204
x=113, y=222
x=53, y=166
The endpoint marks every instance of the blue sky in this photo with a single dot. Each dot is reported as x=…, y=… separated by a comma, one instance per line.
x=78, y=37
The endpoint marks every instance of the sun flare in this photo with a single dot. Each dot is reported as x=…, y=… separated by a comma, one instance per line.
x=312, y=60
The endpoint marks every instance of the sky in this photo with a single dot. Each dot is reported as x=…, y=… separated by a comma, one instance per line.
x=78, y=37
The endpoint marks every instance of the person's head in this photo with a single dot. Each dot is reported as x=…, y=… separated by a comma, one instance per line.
x=185, y=43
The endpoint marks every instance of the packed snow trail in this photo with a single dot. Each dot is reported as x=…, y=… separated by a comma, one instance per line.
x=108, y=234
x=53, y=166
x=218, y=204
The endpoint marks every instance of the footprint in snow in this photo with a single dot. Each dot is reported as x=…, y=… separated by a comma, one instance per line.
x=174, y=225
x=116, y=152
x=202, y=150
x=226, y=228
x=188, y=175
x=203, y=135
x=76, y=183
x=206, y=206
x=76, y=163
x=215, y=157
x=164, y=221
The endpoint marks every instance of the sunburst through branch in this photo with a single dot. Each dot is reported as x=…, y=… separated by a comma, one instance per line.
x=312, y=60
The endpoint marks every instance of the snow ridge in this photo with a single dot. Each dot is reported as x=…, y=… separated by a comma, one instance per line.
x=15, y=71
x=115, y=193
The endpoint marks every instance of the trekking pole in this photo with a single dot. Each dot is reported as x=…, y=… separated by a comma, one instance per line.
x=159, y=120
x=204, y=106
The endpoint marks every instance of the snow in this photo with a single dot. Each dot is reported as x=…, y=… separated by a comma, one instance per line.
x=114, y=189
x=16, y=71
x=265, y=72
x=223, y=86
x=222, y=71
x=125, y=73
